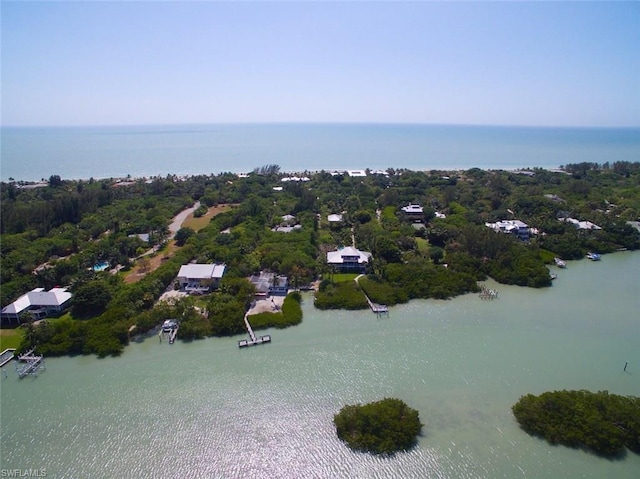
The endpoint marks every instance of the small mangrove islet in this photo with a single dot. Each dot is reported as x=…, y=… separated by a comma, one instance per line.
x=605, y=424
x=382, y=427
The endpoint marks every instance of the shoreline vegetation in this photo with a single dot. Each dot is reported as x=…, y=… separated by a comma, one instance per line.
x=55, y=234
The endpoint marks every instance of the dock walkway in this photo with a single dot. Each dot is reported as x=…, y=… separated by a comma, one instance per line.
x=6, y=356
x=253, y=340
x=379, y=309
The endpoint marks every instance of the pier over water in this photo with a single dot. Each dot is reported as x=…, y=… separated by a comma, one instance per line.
x=31, y=364
x=379, y=309
x=253, y=340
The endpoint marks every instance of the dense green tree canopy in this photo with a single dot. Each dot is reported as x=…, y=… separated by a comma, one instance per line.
x=600, y=422
x=53, y=234
x=381, y=427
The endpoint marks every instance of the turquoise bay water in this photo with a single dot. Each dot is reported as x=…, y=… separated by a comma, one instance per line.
x=209, y=410
x=104, y=152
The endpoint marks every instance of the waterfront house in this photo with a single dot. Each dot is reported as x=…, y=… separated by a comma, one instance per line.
x=349, y=259
x=515, y=227
x=270, y=284
x=200, y=278
x=39, y=303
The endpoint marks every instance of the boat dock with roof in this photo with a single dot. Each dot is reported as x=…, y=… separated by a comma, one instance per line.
x=31, y=364
x=169, y=330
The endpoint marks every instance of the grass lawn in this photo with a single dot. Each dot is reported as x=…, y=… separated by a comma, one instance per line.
x=547, y=256
x=423, y=246
x=198, y=223
x=10, y=338
x=344, y=277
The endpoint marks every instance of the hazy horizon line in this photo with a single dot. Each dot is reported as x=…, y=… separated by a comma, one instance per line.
x=337, y=122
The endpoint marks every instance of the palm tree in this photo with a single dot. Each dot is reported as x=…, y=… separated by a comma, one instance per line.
x=28, y=321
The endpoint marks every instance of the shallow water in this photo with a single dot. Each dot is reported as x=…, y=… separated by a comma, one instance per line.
x=208, y=409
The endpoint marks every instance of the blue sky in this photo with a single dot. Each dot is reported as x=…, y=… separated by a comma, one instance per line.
x=504, y=63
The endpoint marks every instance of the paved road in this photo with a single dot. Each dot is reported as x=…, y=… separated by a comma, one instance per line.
x=179, y=219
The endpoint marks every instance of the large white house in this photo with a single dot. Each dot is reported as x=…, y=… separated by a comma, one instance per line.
x=200, y=278
x=348, y=259
x=39, y=303
x=514, y=227
x=413, y=210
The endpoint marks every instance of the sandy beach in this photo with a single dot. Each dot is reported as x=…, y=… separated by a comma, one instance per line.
x=270, y=304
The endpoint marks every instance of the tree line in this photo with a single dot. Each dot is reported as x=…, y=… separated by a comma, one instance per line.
x=443, y=257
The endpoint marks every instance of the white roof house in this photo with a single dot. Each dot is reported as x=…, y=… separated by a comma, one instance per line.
x=200, y=278
x=56, y=299
x=335, y=218
x=356, y=173
x=412, y=209
x=634, y=224
x=348, y=258
x=295, y=178
x=582, y=225
x=516, y=227
x=201, y=271
x=286, y=229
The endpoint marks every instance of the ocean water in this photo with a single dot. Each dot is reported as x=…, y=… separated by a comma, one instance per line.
x=31, y=154
x=207, y=409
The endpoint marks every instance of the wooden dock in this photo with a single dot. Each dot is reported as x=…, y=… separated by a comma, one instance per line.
x=32, y=364
x=253, y=340
x=6, y=356
x=244, y=343
x=379, y=309
x=172, y=335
